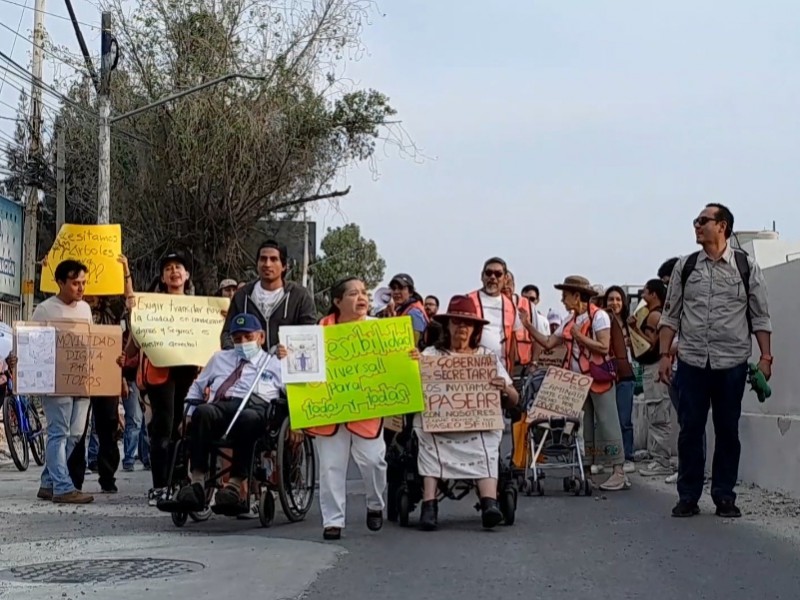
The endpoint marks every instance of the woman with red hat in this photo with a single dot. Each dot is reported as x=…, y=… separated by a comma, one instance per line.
x=471, y=455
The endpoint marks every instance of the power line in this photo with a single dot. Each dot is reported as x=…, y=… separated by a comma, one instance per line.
x=57, y=16
x=14, y=43
x=42, y=48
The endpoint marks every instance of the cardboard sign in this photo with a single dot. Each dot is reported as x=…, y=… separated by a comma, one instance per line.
x=83, y=362
x=96, y=246
x=174, y=330
x=458, y=396
x=553, y=357
x=368, y=374
x=563, y=394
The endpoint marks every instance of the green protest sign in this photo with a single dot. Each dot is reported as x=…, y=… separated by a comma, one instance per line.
x=369, y=374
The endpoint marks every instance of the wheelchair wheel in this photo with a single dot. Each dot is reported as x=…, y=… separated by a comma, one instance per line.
x=403, y=507
x=179, y=518
x=266, y=508
x=297, y=469
x=199, y=517
x=508, y=506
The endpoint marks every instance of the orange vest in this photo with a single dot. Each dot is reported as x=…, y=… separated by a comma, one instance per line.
x=509, y=316
x=368, y=429
x=586, y=357
x=416, y=304
x=524, y=341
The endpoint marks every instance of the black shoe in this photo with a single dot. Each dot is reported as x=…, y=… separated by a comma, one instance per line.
x=332, y=533
x=491, y=515
x=109, y=489
x=428, y=520
x=727, y=509
x=192, y=497
x=228, y=502
x=92, y=467
x=685, y=509
x=374, y=520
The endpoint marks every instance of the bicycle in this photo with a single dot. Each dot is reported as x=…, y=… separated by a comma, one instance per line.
x=23, y=428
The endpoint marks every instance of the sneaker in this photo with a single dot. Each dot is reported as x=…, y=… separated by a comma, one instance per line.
x=374, y=520
x=45, y=493
x=109, y=489
x=146, y=466
x=655, y=469
x=672, y=478
x=73, y=497
x=92, y=467
x=727, y=509
x=128, y=468
x=629, y=467
x=156, y=494
x=193, y=497
x=615, y=483
x=685, y=509
x=597, y=469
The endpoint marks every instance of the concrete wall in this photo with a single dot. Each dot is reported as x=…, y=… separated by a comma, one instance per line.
x=770, y=432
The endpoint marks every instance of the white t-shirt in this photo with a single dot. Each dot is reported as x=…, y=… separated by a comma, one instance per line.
x=266, y=300
x=493, y=336
x=601, y=322
x=541, y=324
x=54, y=309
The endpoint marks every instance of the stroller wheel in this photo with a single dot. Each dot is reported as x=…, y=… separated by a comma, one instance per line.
x=403, y=507
x=587, y=487
x=577, y=485
x=508, y=506
x=539, y=488
x=527, y=487
x=567, y=484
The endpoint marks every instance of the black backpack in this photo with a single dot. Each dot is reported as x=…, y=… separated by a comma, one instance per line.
x=742, y=264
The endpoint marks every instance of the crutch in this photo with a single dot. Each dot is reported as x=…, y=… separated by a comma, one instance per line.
x=262, y=365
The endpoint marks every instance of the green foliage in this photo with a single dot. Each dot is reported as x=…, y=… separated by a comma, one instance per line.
x=345, y=253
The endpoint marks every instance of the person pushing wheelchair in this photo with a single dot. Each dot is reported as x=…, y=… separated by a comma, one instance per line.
x=212, y=402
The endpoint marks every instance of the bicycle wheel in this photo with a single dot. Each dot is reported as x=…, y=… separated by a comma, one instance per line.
x=36, y=435
x=17, y=444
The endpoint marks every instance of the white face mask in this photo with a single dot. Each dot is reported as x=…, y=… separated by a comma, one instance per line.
x=247, y=350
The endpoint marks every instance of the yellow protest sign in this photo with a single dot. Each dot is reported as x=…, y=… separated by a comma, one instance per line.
x=368, y=374
x=175, y=330
x=96, y=246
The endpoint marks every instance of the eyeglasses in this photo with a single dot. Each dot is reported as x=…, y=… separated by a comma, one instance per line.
x=702, y=221
x=493, y=273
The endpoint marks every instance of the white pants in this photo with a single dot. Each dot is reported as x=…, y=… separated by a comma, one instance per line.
x=334, y=454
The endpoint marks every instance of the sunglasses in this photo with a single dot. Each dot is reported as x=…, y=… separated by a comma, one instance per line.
x=494, y=273
x=702, y=221
x=461, y=322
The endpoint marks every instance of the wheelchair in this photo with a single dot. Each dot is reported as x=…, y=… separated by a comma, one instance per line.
x=278, y=465
x=402, y=455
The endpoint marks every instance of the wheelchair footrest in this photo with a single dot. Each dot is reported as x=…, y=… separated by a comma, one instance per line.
x=230, y=510
x=173, y=506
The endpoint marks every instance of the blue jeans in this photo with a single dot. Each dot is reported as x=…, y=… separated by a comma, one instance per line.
x=94, y=445
x=675, y=398
x=625, y=411
x=721, y=390
x=133, y=425
x=66, y=420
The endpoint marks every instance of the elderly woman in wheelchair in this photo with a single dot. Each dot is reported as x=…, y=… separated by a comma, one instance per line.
x=215, y=400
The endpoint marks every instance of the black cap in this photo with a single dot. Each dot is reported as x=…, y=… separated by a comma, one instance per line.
x=174, y=256
x=403, y=279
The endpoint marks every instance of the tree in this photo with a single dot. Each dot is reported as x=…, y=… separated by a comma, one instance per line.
x=197, y=174
x=345, y=253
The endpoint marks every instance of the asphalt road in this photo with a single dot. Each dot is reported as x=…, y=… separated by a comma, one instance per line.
x=617, y=546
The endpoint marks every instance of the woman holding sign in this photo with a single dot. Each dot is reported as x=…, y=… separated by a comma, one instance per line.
x=473, y=455
x=363, y=440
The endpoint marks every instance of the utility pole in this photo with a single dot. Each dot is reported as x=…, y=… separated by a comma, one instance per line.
x=107, y=63
x=305, y=247
x=34, y=159
x=61, y=179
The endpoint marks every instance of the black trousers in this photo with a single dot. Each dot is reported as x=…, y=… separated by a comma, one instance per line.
x=209, y=422
x=106, y=419
x=166, y=405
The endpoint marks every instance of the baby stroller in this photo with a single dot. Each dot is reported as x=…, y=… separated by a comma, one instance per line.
x=550, y=444
x=402, y=454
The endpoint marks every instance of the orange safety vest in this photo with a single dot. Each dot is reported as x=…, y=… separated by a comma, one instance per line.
x=586, y=357
x=416, y=304
x=368, y=429
x=509, y=316
x=524, y=340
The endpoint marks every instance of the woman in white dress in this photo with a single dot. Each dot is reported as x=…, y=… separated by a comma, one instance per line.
x=470, y=455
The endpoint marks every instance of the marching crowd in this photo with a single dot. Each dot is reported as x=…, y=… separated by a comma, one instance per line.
x=693, y=348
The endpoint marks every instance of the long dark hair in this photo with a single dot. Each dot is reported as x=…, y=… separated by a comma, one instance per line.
x=337, y=293
x=445, y=341
x=625, y=312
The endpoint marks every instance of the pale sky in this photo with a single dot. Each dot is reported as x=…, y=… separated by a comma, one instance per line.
x=568, y=137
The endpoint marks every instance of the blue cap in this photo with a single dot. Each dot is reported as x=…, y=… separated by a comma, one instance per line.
x=245, y=323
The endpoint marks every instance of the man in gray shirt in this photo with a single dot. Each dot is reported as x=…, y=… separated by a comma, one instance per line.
x=716, y=298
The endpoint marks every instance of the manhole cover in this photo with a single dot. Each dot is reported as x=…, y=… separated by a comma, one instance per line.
x=99, y=570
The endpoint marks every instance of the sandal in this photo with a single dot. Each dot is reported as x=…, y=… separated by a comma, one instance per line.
x=332, y=533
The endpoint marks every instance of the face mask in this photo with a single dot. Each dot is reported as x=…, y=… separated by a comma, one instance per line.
x=247, y=350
